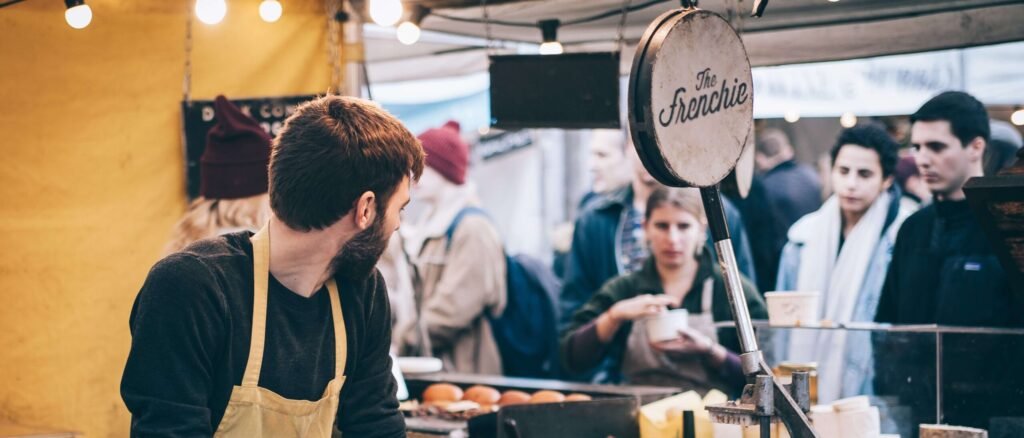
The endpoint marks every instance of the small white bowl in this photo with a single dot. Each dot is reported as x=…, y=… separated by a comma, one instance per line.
x=419, y=365
x=666, y=326
x=793, y=308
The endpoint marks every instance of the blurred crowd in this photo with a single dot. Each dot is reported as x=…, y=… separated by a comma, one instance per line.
x=884, y=234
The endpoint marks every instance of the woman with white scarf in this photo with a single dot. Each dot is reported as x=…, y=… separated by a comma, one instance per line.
x=843, y=250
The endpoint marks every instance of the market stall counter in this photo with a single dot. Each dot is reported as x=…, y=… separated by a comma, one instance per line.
x=607, y=410
x=910, y=375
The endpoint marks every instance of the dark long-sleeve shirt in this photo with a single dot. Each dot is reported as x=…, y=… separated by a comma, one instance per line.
x=943, y=271
x=191, y=326
x=793, y=189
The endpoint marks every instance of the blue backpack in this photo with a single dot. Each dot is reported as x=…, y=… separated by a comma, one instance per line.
x=526, y=332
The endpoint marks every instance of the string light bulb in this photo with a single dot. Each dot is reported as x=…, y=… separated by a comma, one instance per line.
x=848, y=120
x=791, y=116
x=78, y=14
x=270, y=10
x=1017, y=118
x=386, y=12
x=211, y=11
x=549, y=37
x=409, y=31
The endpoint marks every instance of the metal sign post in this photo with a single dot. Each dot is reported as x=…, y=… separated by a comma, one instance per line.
x=691, y=113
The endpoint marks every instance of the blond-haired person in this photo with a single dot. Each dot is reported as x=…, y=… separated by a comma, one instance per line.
x=232, y=180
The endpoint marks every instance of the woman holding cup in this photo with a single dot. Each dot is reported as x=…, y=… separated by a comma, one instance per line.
x=657, y=324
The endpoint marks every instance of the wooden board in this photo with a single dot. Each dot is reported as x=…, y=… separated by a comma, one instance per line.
x=944, y=431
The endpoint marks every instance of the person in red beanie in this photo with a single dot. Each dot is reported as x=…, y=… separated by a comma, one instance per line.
x=909, y=178
x=232, y=180
x=459, y=258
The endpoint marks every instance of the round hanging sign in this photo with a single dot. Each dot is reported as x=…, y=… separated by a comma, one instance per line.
x=691, y=102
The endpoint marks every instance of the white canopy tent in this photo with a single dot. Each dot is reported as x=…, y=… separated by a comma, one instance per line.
x=887, y=85
x=790, y=32
x=823, y=58
x=789, y=43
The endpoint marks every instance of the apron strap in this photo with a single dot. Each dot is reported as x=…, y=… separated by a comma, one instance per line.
x=706, y=294
x=340, y=334
x=261, y=279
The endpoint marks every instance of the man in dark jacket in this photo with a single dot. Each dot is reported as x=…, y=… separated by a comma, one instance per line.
x=767, y=236
x=944, y=272
x=792, y=188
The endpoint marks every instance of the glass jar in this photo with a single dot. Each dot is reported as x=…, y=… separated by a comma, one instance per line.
x=784, y=372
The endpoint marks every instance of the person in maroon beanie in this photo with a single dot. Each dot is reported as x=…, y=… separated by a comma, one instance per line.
x=911, y=183
x=459, y=258
x=232, y=180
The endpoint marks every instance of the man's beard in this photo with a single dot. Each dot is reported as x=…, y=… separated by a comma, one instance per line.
x=356, y=260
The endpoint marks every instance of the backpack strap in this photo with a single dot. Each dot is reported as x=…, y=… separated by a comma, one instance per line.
x=455, y=223
x=450, y=232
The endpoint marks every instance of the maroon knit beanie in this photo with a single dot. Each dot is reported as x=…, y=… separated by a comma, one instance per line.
x=905, y=168
x=234, y=163
x=446, y=152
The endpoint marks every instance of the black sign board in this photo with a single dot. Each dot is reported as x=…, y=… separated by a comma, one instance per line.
x=574, y=91
x=199, y=117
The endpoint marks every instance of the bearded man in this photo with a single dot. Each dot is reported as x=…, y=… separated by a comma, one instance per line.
x=235, y=336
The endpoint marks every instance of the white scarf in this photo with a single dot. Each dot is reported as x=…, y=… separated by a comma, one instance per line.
x=838, y=279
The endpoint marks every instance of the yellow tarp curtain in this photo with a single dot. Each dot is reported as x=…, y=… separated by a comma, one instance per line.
x=91, y=177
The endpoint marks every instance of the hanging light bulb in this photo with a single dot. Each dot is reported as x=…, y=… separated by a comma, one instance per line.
x=791, y=116
x=409, y=31
x=270, y=10
x=549, y=36
x=211, y=11
x=552, y=48
x=848, y=120
x=78, y=14
x=1017, y=118
x=386, y=12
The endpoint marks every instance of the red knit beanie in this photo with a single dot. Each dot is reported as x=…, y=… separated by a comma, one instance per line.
x=234, y=163
x=446, y=152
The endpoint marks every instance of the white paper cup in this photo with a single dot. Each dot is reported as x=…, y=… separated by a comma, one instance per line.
x=826, y=421
x=792, y=308
x=855, y=403
x=860, y=423
x=666, y=327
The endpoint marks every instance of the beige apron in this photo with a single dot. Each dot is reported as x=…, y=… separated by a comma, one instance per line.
x=258, y=412
x=643, y=365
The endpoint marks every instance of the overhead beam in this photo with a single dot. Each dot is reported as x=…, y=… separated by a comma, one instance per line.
x=947, y=30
